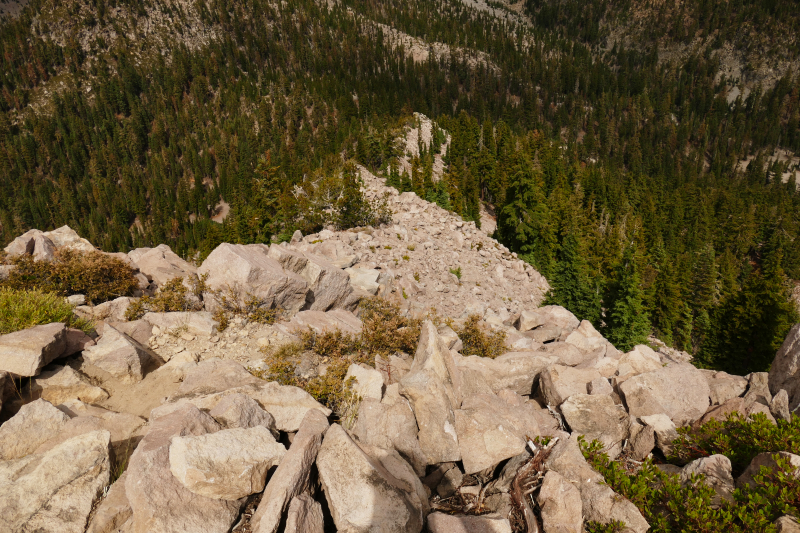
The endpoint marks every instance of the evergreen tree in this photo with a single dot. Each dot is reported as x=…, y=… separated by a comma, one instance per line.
x=571, y=287
x=626, y=320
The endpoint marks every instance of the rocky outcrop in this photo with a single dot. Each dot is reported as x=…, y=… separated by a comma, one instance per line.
x=678, y=390
x=362, y=493
x=55, y=490
x=598, y=417
x=34, y=424
x=24, y=353
x=226, y=465
x=785, y=370
x=120, y=356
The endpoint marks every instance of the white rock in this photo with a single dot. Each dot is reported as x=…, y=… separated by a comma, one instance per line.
x=226, y=465
x=680, y=391
x=368, y=382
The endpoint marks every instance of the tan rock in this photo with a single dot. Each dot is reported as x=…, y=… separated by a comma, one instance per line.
x=598, y=417
x=226, y=465
x=724, y=386
x=66, y=237
x=767, y=460
x=445, y=523
x=34, y=424
x=787, y=524
x=113, y=511
x=120, y=356
x=491, y=430
x=196, y=323
x=368, y=382
x=22, y=245
x=158, y=500
x=362, y=494
x=391, y=426
x=785, y=370
x=678, y=390
x=558, y=382
x=76, y=341
x=716, y=470
x=560, y=504
x=24, y=353
x=161, y=264
x=241, y=411
x=517, y=371
x=329, y=285
x=663, y=429
x=549, y=314
x=292, y=476
x=304, y=516
x=249, y=269
x=62, y=383
x=55, y=491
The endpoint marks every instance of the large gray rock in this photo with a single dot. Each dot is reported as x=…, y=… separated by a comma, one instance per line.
x=716, y=470
x=639, y=360
x=329, y=285
x=126, y=429
x=641, y=442
x=111, y=311
x=391, y=426
x=365, y=279
x=568, y=354
x=292, y=477
x=758, y=389
x=226, y=465
x=664, y=431
x=560, y=504
x=724, y=386
x=490, y=430
x=34, y=424
x=24, y=353
x=599, y=502
x=517, y=371
x=43, y=248
x=161, y=264
x=55, y=491
x=120, y=356
x=785, y=370
x=433, y=388
x=767, y=460
x=304, y=516
x=780, y=406
x=196, y=323
x=551, y=315
x=248, y=269
x=66, y=237
x=210, y=381
x=22, y=245
x=678, y=390
x=113, y=511
x=158, y=500
x=241, y=411
x=598, y=417
x=445, y=523
x=367, y=382
x=362, y=493
x=558, y=382
x=587, y=339
x=62, y=383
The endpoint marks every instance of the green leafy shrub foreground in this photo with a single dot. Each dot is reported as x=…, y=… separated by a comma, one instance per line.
x=670, y=506
x=21, y=309
x=478, y=341
x=98, y=276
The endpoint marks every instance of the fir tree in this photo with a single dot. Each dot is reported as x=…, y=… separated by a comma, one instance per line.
x=571, y=286
x=626, y=321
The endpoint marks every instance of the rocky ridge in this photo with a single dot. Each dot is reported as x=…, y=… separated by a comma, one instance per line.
x=167, y=428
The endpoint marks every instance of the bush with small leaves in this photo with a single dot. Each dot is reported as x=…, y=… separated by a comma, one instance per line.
x=478, y=341
x=174, y=295
x=385, y=330
x=98, y=276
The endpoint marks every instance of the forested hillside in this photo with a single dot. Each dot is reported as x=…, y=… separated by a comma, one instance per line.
x=614, y=168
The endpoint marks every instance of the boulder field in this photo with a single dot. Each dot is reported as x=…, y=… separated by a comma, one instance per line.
x=162, y=424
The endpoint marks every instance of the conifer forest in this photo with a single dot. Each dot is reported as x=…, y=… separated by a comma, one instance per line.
x=621, y=149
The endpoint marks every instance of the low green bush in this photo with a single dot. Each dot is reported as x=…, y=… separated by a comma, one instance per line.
x=21, y=309
x=174, y=295
x=739, y=438
x=672, y=507
x=98, y=276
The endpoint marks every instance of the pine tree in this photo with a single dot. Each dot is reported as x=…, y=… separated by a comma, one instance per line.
x=571, y=286
x=627, y=323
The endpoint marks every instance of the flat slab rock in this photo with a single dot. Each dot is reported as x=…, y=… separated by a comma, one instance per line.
x=445, y=523
x=24, y=353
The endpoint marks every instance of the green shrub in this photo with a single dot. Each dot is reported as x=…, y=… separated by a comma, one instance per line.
x=478, y=341
x=21, y=309
x=98, y=276
x=231, y=302
x=456, y=272
x=672, y=507
x=738, y=438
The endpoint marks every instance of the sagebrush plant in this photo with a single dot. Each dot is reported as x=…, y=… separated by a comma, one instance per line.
x=234, y=301
x=384, y=331
x=479, y=340
x=22, y=309
x=174, y=295
x=670, y=506
x=98, y=276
